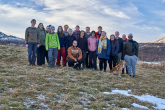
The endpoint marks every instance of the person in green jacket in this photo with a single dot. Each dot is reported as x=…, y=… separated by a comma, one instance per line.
x=52, y=46
x=130, y=53
x=41, y=50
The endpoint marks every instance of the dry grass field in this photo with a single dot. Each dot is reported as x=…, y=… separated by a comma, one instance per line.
x=63, y=88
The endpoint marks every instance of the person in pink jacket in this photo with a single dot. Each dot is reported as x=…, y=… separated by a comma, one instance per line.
x=92, y=44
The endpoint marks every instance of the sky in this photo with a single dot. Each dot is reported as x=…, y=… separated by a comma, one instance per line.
x=145, y=19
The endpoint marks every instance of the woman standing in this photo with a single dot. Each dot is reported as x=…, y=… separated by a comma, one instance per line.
x=52, y=46
x=92, y=45
x=114, y=51
x=41, y=50
x=82, y=44
x=103, y=50
x=61, y=52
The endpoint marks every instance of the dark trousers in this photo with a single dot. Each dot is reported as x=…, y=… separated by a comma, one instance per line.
x=112, y=59
x=41, y=55
x=87, y=60
x=83, y=58
x=71, y=63
x=47, y=58
x=92, y=59
x=103, y=61
x=32, y=49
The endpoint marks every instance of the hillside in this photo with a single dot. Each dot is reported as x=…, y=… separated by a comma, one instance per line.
x=29, y=87
x=162, y=40
x=11, y=40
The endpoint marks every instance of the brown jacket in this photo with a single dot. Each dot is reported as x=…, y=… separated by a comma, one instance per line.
x=32, y=36
x=74, y=53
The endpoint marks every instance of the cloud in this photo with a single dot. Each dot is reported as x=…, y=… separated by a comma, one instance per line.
x=93, y=13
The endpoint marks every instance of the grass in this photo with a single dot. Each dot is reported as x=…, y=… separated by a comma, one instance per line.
x=28, y=87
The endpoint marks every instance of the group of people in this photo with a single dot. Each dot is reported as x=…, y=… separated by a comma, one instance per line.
x=79, y=49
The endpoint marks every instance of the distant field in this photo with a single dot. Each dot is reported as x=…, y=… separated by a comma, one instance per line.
x=28, y=87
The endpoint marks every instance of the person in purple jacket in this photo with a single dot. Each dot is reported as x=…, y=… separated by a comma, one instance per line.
x=114, y=50
x=92, y=45
x=61, y=52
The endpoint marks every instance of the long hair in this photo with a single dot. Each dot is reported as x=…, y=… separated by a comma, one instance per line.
x=81, y=32
x=42, y=27
x=114, y=43
x=58, y=32
x=94, y=33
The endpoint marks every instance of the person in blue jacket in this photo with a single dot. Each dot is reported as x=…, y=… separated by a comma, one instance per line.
x=103, y=50
x=114, y=51
x=83, y=45
x=61, y=52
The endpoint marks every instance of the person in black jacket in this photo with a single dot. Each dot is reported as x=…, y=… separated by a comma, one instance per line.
x=120, y=41
x=83, y=45
x=70, y=39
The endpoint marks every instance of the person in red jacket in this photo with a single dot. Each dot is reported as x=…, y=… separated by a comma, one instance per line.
x=98, y=34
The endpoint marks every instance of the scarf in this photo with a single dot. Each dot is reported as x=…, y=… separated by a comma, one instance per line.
x=133, y=45
x=102, y=44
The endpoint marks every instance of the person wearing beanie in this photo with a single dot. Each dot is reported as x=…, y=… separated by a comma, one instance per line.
x=130, y=53
x=52, y=45
x=92, y=45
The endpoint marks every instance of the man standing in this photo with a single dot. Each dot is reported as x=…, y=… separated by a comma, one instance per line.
x=74, y=56
x=98, y=34
x=122, y=57
x=46, y=53
x=66, y=30
x=32, y=41
x=87, y=35
x=76, y=33
x=130, y=52
x=120, y=41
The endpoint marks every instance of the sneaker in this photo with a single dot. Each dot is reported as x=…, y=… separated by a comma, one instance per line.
x=29, y=64
x=33, y=64
x=130, y=75
x=94, y=69
x=91, y=68
x=64, y=65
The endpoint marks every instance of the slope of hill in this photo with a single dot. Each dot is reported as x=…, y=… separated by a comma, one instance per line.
x=29, y=87
x=11, y=40
x=162, y=40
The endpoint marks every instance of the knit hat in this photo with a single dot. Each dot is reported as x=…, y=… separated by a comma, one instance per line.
x=52, y=27
x=130, y=35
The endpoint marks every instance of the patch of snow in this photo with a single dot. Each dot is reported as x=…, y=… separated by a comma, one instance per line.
x=41, y=97
x=151, y=99
x=10, y=89
x=157, y=63
x=139, y=106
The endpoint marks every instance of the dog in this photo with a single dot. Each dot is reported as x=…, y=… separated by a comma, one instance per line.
x=118, y=68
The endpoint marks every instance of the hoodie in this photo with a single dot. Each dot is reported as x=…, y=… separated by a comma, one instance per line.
x=92, y=43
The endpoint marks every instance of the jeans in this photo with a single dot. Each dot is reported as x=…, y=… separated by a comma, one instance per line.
x=32, y=49
x=92, y=59
x=62, y=53
x=41, y=55
x=103, y=61
x=52, y=53
x=71, y=63
x=131, y=62
x=112, y=59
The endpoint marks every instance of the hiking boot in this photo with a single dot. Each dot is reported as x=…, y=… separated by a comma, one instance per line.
x=58, y=65
x=130, y=75
x=134, y=76
x=29, y=64
x=34, y=64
